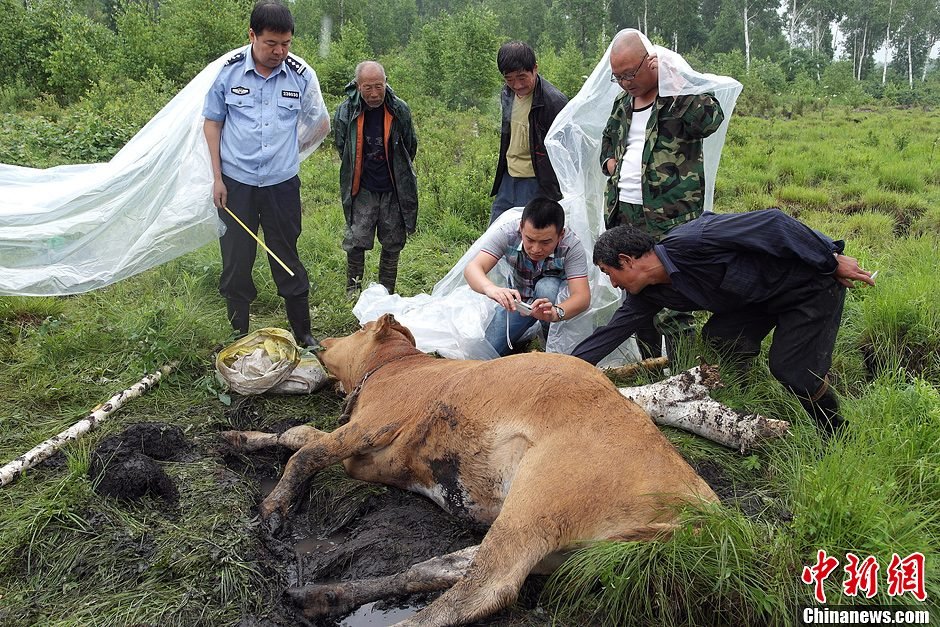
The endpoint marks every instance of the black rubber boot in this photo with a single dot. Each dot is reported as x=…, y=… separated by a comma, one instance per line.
x=650, y=342
x=355, y=267
x=388, y=270
x=825, y=411
x=298, y=314
x=238, y=316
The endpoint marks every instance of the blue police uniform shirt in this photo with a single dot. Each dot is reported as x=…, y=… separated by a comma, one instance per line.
x=259, y=115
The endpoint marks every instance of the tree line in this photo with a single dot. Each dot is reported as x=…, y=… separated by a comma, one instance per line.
x=68, y=49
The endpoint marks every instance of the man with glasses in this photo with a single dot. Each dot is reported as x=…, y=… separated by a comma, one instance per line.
x=651, y=150
x=377, y=145
x=529, y=105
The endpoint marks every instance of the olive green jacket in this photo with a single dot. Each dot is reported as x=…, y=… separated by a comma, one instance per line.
x=401, y=146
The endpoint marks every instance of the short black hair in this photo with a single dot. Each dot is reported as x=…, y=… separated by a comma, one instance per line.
x=621, y=240
x=515, y=56
x=541, y=212
x=270, y=15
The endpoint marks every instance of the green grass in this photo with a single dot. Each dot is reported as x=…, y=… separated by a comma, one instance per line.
x=71, y=557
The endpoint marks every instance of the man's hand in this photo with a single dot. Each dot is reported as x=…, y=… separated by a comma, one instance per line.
x=849, y=271
x=543, y=309
x=504, y=296
x=219, y=194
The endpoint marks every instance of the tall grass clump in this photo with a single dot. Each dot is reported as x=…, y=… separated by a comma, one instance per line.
x=712, y=570
x=901, y=315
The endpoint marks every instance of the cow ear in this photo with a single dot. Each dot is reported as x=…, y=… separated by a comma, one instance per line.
x=383, y=325
x=404, y=331
x=387, y=324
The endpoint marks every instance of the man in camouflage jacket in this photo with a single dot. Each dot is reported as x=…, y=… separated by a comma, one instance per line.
x=657, y=171
x=671, y=166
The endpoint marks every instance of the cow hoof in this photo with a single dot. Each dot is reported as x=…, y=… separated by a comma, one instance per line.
x=235, y=439
x=317, y=601
x=272, y=518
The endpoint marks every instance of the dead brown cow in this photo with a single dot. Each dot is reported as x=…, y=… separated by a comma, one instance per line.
x=540, y=447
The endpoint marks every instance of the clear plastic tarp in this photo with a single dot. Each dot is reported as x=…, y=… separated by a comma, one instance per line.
x=74, y=228
x=573, y=144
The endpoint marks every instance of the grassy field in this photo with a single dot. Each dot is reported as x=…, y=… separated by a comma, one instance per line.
x=872, y=177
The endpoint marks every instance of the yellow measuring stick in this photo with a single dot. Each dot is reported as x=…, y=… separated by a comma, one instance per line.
x=258, y=239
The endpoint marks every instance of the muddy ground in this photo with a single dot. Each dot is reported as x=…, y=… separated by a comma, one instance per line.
x=341, y=530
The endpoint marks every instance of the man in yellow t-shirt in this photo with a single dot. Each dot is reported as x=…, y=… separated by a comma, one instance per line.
x=529, y=106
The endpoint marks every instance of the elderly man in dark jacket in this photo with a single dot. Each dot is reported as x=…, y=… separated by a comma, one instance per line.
x=529, y=104
x=377, y=144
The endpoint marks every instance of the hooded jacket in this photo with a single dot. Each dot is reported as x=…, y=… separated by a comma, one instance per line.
x=401, y=146
x=547, y=101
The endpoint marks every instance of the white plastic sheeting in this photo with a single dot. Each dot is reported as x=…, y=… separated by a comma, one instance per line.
x=74, y=228
x=573, y=144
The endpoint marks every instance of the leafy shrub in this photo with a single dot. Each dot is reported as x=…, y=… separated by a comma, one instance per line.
x=79, y=56
x=458, y=57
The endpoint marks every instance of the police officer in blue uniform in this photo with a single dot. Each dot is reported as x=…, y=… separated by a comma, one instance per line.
x=263, y=113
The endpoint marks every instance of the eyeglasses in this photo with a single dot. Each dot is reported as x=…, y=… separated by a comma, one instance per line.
x=629, y=76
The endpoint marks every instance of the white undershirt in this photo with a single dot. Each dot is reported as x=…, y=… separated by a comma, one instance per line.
x=631, y=189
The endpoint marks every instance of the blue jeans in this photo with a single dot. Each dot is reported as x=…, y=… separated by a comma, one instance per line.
x=546, y=287
x=513, y=192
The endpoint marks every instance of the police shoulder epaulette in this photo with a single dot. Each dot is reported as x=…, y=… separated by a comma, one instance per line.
x=235, y=58
x=295, y=64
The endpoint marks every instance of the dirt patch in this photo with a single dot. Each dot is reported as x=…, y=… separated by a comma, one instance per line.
x=125, y=466
x=369, y=531
x=752, y=502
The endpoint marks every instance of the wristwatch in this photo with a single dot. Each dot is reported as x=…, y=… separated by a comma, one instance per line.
x=560, y=312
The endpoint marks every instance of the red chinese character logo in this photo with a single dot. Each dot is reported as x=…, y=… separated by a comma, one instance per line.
x=818, y=572
x=862, y=576
x=907, y=575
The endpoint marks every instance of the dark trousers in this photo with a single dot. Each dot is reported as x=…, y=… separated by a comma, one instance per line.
x=276, y=209
x=513, y=192
x=805, y=318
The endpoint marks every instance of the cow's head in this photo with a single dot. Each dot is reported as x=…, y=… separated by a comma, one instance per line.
x=350, y=358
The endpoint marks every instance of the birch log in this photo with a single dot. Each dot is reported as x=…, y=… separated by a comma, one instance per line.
x=683, y=402
x=98, y=415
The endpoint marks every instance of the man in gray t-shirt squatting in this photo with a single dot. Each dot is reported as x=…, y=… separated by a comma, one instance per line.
x=549, y=272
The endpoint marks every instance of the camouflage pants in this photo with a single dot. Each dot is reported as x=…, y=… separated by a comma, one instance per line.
x=675, y=325
x=375, y=213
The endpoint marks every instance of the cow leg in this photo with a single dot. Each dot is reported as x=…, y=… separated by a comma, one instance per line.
x=438, y=573
x=505, y=557
x=293, y=438
x=314, y=456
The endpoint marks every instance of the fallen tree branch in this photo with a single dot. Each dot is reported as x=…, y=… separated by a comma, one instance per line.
x=631, y=370
x=682, y=401
x=38, y=453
